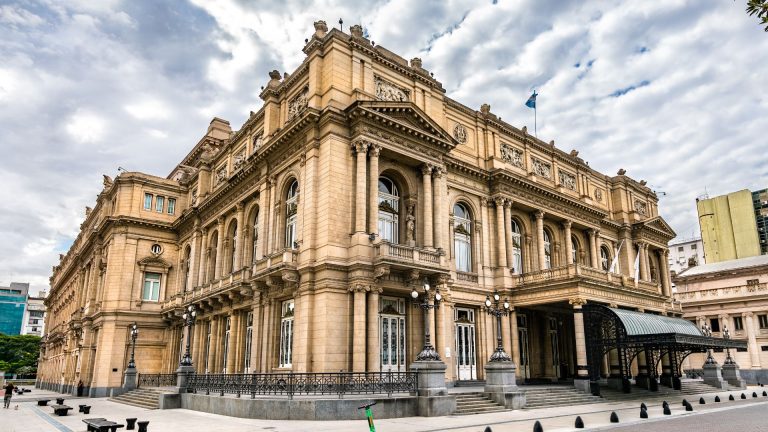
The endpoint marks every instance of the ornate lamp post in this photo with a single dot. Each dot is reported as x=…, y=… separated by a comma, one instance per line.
x=428, y=353
x=134, y=335
x=707, y=330
x=728, y=359
x=189, y=320
x=498, y=310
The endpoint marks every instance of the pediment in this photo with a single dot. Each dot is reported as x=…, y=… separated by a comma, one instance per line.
x=658, y=224
x=154, y=261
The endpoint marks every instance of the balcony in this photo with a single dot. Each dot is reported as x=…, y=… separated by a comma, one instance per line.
x=718, y=294
x=577, y=272
x=407, y=257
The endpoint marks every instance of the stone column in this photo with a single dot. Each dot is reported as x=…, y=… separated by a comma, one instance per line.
x=219, y=248
x=540, y=239
x=439, y=333
x=272, y=212
x=515, y=352
x=360, y=148
x=237, y=262
x=438, y=211
x=501, y=248
x=193, y=259
x=234, y=326
x=582, y=372
x=666, y=289
x=201, y=276
x=358, y=339
x=643, y=251
x=426, y=175
x=261, y=247
x=568, y=242
x=373, y=330
x=212, y=346
x=506, y=337
x=594, y=257
x=256, y=339
x=508, y=232
x=754, y=351
x=267, y=335
x=373, y=189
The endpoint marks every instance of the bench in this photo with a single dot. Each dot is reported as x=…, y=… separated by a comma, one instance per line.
x=102, y=425
x=43, y=402
x=61, y=410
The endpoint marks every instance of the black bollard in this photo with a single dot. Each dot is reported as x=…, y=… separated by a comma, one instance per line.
x=487, y=429
x=764, y=393
x=643, y=406
x=537, y=427
x=685, y=402
x=643, y=414
x=717, y=398
x=743, y=396
x=754, y=394
x=579, y=424
x=702, y=401
x=666, y=410
x=688, y=407
x=730, y=397
x=614, y=417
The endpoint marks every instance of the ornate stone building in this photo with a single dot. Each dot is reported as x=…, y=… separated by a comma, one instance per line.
x=300, y=235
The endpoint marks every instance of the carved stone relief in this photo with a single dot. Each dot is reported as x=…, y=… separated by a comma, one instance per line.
x=640, y=207
x=460, y=133
x=221, y=174
x=298, y=103
x=541, y=168
x=388, y=91
x=258, y=140
x=599, y=194
x=511, y=155
x=567, y=180
x=239, y=160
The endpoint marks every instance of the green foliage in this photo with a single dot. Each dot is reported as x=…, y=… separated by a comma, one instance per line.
x=18, y=354
x=759, y=8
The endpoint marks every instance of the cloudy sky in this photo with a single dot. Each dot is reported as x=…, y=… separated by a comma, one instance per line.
x=674, y=91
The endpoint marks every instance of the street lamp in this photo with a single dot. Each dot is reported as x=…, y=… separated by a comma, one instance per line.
x=726, y=336
x=707, y=330
x=134, y=335
x=428, y=353
x=498, y=310
x=189, y=320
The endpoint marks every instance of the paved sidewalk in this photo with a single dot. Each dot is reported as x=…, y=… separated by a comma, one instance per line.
x=31, y=418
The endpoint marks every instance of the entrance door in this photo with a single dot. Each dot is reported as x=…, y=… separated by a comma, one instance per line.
x=465, y=344
x=392, y=334
x=522, y=330
x=554, y=346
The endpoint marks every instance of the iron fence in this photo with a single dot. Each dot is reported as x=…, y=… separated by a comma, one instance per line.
x=304, y=384
x=157, y=380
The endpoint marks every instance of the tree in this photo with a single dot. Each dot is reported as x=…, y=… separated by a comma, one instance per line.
x=19, y=353
x=759, y=8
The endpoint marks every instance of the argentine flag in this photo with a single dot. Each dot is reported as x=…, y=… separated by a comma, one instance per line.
x=531, y=102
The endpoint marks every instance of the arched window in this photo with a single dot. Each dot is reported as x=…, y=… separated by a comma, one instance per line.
x=232, y=246
x=255, y=236
x=389, y=209
x=605, y=258
x=291, y=210
x=187, y=260
x=547, y=250
x=462, y=238
x=517, y=249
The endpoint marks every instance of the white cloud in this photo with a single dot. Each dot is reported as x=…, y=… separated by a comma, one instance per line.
x=150, y=109
x=85, y=127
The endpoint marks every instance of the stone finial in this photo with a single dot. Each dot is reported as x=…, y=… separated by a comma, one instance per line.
x=416, y=62
x=485, y=108
x=88, y=211
x=274, y=76
x=552, y=143
x=525, y=130
x=356, y=31
x=622, y=171
x=643, y=182
x=321, y=29
x=574, y=153
x=285, y=75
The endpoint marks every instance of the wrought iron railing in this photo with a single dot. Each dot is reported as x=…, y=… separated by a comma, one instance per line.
x=304, y=384
x=157, y=380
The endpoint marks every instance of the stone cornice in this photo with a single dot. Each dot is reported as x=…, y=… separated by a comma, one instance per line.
x=465, y=168
x=246, y=127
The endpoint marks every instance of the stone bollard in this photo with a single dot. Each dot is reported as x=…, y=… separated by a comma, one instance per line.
x=685, y=402
x=143, y=426
x=614, y=417
x=643, y=406
x=743, y=396
x=730, y=397
x=667, y=410
x=579, y=424
x=131, y=423
x=717, y=398
x=537, y=427
x=754, y=394
x=487, y=429
x=764, y=393
x=643, y=413
x=688, y=407
x=664, y=404
x=702, y=401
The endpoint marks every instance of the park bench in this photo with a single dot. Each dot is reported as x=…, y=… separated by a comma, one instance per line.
x=43, y=402
x=102, y=425
x=61, y=410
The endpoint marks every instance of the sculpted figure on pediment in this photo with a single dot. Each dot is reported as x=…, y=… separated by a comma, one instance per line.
x=239, y=160
x=511, y=155
x=640, y=207
x=541, y=168
x=388, y=91
x=567, y=180
x=298, y=103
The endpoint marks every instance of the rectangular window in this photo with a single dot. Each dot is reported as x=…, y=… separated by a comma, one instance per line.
x=286, y=334
x=147, y=201
x=159, y=204
x=738, y=323
x=681, y=249
x=248, y=342
x=764, y=348
x=693, y=247
x=739, y=349
x=171, y=205
x=715, y=324
x=226, y=344
x=151, y=286
x=763, y=319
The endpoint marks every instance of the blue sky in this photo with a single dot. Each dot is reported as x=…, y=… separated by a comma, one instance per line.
x=673, y=91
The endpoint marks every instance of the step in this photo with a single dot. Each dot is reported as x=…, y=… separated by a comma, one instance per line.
x=140, y=405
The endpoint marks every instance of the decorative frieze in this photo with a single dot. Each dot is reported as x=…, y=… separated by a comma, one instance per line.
x=511, y=155
x=221, y=174
x=298, y=103
x=388, y=91
x=238, y=160
x=258, y=140
x=567, y=180
x=460, y=133
x=541, y=168
x=599, y=194
x=641, y=208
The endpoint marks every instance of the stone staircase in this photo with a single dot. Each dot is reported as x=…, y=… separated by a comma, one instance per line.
x=469, y=383
x=555, y=395
x=475, y=403
x=143, y=397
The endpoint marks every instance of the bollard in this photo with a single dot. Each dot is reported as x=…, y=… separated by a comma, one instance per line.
x=743, y=396
x=730, y=397
x=579, y=424
x=643, y=414
x=143, y=426
x=685, y=402
x=537, y=427
x=666, y=410
x=754, y=394
x=702, y=401
x=614, y=417
x=643, y=406
x=717, y=398
x=665, y=404
x=131, y=423
x=487, y=429
x=764, y=393
x=688, y=407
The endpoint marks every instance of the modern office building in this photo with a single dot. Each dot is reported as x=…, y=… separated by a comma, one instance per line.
x=299, y=236
x=685, y=253
x=760, y=204
x=34, y=315
x=13, y=306
x=728, y=226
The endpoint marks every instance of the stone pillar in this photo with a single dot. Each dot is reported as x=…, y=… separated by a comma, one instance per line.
x=237, y=261
x=358, y=340
x=501, y=248
x=360, y=149
x=212, y=346
x=754, y=351
x=439, y=328
x=568, y=242
x=594, y=257
x=643, y=378
x=643, y=251
x=433, y=397
x=713, y=376
x=193, y=258
x=666, y=288
x=373, y=189
x=219, y=248
x=508, y=232
x=272, y=212
x=234, y=336
x=515, y=352
x=374, y=364
x=256, y=339
x=732, y=375
x=540, y=239
x=581, y=380
x=506, y=338
x=426, y=174
x=437, y=208
x=261, y=246
x=201, y=276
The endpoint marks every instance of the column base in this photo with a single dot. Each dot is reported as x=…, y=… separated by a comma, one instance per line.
x=431, y=377
x=732, y=376
x=581, y=384
x=713, y=376
x=130, y=379
x=182, y=374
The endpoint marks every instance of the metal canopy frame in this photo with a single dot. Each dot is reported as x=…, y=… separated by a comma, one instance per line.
x=663, y=339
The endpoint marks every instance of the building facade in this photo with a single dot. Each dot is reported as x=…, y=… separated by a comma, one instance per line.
x=34, y=315
x=684, y=254
x=733, y=295
x=760, y=204
x=299, y=237
x=13, y=306
x=728, y=226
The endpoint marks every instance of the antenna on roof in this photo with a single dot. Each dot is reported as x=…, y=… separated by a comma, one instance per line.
x=341, y=24
x=121, y=169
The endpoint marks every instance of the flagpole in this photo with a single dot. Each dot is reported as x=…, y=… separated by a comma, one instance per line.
x=535, y=128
